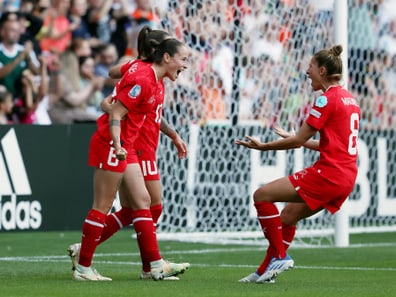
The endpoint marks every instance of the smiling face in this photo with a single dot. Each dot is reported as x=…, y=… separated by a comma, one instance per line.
x=176, y=64
x=315, y=73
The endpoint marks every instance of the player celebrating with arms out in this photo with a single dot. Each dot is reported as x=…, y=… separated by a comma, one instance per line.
x=324, y=185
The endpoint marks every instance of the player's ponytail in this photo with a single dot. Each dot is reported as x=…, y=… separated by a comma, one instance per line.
x=149, y=40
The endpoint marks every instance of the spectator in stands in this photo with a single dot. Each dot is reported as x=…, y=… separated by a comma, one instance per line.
x=387, y=41
x=378, y=98
x=267, y=43
x=14, y=57
x=213, y=98
x=99, y=21
x=76, y=13
x=30, y=25
x=361, y=38
x=122, y=25
x=107, y=58
x=41, y=112
x=56, y=33
x=68, y=99
x=27, y=103
x=7, y=5
x=144, y=14
x=336, y=116
x=87, y=75
x=6, y=104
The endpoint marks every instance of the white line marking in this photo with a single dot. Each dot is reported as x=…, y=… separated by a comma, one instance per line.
x=61, y=258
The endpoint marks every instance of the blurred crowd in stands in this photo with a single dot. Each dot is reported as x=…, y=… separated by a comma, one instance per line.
x=248, y=58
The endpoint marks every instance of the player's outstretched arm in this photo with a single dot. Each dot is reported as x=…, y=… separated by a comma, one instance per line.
x=295, y=141
x=310, y=144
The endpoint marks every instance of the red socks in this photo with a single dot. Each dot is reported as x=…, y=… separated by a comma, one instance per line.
x=269, y=218
x=146, y=238
x=269, y=221
x=115, y=221
x=91, y=233
x=156, y=211
x=288, y=233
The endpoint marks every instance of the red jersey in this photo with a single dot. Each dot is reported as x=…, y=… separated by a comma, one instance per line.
x=147, y=143
x=336, y=115
x=138, y=91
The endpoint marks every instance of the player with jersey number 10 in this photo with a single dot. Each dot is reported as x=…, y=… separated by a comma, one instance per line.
x=335, y=114
x=112, y=152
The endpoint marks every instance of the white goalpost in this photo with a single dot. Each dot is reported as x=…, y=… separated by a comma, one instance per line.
x=341, y=37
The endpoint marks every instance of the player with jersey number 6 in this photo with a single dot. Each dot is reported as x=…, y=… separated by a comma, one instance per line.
x=112, y=152
x=335, y=114
x=147, y=142
x=145, y=146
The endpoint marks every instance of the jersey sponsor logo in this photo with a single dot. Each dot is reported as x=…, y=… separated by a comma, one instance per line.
x=135, y=91
x=14, y=214
x=321, y=101
x=315, y=113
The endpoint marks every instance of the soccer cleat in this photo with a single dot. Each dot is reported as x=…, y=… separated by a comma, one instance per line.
x=162, y=269
x=74, y=253
x=251, y=278
x=275, y=267
x=147, y=276
x=82, y=273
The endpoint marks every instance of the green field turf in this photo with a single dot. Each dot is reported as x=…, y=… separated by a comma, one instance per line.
x=35, y=264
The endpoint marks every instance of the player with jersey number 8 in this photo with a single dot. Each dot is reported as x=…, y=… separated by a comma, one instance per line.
x=112, y=153
x=335, y=114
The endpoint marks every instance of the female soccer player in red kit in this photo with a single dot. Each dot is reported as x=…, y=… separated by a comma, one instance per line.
x=145, y=146
x=112, y=152
x=324, y=185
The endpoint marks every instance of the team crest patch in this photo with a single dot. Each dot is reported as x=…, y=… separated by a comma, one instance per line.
x=321, y=101
x=135, y=91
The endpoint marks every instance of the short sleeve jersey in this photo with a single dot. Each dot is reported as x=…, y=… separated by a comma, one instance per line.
x=147, y=141
x=336, y=115
x=137, y=91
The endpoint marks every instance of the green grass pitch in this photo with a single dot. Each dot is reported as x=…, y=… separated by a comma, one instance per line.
x=35, y=264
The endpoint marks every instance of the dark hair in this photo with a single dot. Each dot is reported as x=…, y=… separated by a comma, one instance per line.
x=331, y=60
x=82, y=59
x=170, y=46
x=148, y=39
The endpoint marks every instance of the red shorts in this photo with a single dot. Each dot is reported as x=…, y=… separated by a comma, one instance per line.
x=318, y=191
x=102, y=155
x=148, y=164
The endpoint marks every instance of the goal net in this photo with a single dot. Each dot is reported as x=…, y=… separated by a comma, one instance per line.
x=247, y=73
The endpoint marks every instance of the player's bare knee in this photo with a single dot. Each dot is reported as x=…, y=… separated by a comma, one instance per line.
x=259, y=195
x=288, y=217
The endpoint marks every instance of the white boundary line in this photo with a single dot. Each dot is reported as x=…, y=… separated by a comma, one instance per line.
x=57, y=259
